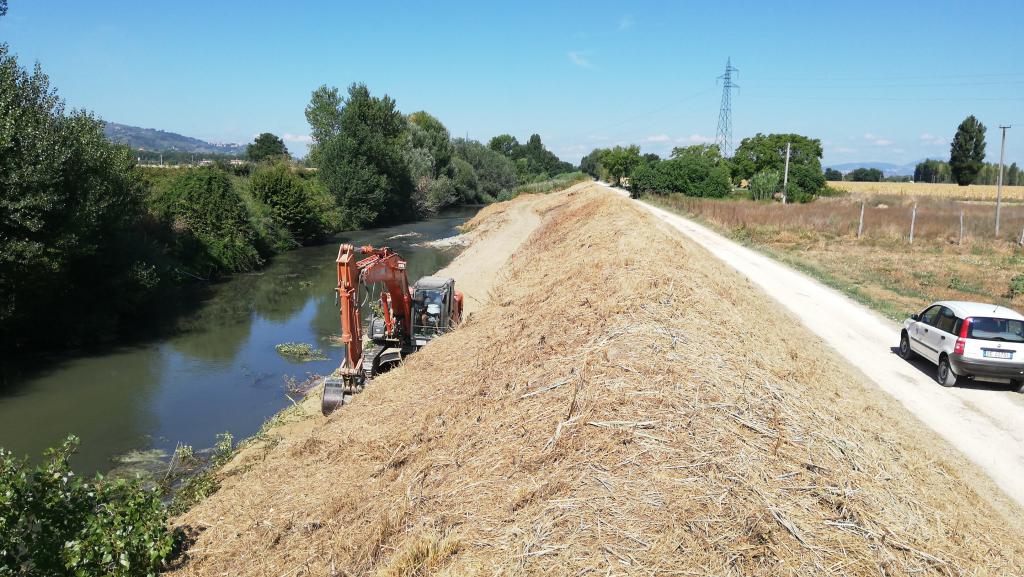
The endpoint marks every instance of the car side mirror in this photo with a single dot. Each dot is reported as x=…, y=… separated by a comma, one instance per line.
x=915, y=317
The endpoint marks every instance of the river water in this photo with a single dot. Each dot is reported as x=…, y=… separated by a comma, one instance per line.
x=216, y=372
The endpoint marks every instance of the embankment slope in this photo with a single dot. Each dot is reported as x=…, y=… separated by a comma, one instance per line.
x=620, y=403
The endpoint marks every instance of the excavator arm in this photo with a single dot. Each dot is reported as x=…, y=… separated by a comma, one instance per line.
x=380, y=265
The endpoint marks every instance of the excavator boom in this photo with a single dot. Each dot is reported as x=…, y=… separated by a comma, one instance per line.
x=383, y=266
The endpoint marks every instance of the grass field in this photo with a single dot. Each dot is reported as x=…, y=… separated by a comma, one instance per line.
x=926, y=190
x=881, y=268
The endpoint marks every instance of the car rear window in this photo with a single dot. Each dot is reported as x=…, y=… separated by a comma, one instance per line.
x=990, y=329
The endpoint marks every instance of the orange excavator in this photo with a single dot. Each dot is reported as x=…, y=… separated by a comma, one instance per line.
x=408, y=317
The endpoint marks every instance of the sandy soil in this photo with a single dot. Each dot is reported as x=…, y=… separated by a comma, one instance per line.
x=987, y=425
x=482, y=264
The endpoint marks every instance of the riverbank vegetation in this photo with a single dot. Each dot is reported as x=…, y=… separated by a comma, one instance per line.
x=54, y=523
x=92, y=246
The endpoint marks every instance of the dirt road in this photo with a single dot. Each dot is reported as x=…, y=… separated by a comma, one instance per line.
x=986, y=425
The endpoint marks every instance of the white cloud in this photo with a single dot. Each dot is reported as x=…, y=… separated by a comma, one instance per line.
x=696, y=139
x=659, y=138
x=579, y=60
x=876, y=140
x=931, y=139
x=844, y=150
x=626, y=22
x=303, y=138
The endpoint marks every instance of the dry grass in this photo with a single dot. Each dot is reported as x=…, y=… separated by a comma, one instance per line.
x=926, y=190
x=881, y=268
x=612, y=412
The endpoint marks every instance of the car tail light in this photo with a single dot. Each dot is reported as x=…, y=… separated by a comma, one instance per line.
x=965, y=327
x=958, y=349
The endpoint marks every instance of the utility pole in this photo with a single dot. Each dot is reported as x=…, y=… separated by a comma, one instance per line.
x=723, y=138
x=999, y=186
x=785, y=175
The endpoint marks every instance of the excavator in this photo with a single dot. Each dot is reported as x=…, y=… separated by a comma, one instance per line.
x=407, y=319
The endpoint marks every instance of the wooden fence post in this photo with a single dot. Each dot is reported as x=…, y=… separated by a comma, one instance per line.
x=860, y=226
x=961, y=241
x=1021, y=241
x=913, y=220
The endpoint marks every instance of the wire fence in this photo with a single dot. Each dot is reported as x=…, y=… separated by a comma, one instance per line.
x=879, y=219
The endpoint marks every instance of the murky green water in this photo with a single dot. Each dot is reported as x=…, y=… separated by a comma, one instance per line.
x=218, y=371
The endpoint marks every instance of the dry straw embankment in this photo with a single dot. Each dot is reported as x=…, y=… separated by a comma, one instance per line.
x=623, y=404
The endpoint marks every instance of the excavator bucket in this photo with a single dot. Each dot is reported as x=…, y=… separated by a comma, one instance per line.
x=337, y=387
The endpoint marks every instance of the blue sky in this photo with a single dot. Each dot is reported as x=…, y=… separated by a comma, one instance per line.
x=875, y=81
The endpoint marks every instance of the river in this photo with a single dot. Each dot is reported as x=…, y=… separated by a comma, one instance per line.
x=216, y=372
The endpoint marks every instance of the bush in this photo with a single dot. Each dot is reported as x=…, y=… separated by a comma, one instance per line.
x=1016, y=287
x=292, y=202
x=693, y=171
x=53, y=523
x=213, y=230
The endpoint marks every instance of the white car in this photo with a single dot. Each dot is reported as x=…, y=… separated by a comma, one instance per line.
x=968, y=340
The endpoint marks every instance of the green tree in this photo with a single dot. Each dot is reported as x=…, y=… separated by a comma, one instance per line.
x=266, y=146
x=967, y=151
x=324, y=116
x=214, y=233
x=70, y=211
x=768, y=152
x=505, y=144
x=496, y=174
x=465, y=180
x=694, y=171
x=1012, y=177
x=619, y=162
x=833, y=175
x=292, y=201
x=359, y=153
x=867, y=175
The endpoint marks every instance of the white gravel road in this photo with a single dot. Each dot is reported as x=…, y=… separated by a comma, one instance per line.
x=985, y=424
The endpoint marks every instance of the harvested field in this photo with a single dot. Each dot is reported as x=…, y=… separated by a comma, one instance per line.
x=620, y=404
x=930, y=190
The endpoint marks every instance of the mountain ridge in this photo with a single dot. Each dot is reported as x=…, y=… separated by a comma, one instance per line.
x=152, y=139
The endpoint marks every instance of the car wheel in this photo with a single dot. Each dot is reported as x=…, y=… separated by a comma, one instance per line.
x=945, y=374
x=1019, y=385
x=906, y=353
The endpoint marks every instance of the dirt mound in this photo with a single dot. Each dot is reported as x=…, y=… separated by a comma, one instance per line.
x=621, y=403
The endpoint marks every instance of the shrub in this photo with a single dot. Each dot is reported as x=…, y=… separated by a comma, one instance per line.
x=214, y=233
x=693, y=171
x=53, y=523
x=293, y=203
x=1016, y=287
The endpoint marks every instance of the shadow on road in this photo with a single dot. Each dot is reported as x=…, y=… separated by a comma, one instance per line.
x=928, y=369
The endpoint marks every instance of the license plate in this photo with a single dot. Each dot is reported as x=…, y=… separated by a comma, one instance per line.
x=997, y=354
x=420, y=342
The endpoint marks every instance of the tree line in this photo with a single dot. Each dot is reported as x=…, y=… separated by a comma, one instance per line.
x=701, y=170
x=93, y=245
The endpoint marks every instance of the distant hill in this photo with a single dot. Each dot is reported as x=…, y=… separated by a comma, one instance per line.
x=159, y=140
x=887, y=168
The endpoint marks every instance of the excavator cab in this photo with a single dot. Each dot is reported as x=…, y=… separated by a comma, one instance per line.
x=436, y=308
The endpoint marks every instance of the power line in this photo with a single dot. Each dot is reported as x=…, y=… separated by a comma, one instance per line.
x=723, y=136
